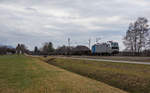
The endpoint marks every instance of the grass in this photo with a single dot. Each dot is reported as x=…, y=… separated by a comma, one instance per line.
x=22, y=74
x=129, y=77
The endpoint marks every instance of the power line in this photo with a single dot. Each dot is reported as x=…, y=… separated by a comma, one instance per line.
x=97, y=39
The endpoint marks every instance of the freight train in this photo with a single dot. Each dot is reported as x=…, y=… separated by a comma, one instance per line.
x=109, y=47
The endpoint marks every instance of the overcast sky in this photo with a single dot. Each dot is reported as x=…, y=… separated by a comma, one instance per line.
x=34, y=22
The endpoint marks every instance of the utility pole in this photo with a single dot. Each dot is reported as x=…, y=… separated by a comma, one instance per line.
x=69, y=42
x=68, y=46
x=89, y=43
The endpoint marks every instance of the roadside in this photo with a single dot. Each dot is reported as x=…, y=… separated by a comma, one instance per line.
x=118, y=58
x=105, y=60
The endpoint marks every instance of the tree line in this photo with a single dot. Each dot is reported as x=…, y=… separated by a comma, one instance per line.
x=137, y=39
x=7, y=50
x=48, y=49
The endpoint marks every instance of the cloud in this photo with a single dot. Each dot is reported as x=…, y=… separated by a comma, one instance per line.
x=34, y=22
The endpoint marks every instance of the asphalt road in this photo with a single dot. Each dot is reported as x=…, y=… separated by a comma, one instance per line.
x=115, y=61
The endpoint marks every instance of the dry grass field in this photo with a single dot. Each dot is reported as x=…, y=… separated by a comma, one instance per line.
x=22, y=74
x=129, y=77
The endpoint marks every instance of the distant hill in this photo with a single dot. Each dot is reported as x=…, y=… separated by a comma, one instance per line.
x=8, y=46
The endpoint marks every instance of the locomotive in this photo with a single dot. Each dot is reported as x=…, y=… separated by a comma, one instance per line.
x=108, y=47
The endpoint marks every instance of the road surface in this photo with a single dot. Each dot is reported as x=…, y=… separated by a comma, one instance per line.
x=115, y=61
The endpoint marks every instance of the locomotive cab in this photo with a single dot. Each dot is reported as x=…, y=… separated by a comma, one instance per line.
x=114, y=47
x=109, y=47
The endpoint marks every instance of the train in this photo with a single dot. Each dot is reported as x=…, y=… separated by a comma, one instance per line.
x=108, y=47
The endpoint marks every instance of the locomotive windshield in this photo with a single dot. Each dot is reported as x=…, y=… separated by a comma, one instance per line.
x=115, y=46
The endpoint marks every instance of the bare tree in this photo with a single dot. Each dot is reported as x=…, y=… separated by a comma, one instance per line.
x=21, y=49
x=48, y=48
x=63, y=50
x=36, y=51
x=137, y=35
x=129, y=39
x=18, y=49
x=148, y=43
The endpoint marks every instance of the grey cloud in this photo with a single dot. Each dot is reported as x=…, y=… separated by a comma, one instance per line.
x=36, y=21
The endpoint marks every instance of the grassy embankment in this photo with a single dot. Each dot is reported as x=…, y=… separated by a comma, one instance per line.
x=22, y=74
x=130, y=77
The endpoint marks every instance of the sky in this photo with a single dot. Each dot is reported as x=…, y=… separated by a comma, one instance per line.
x=33, y=22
